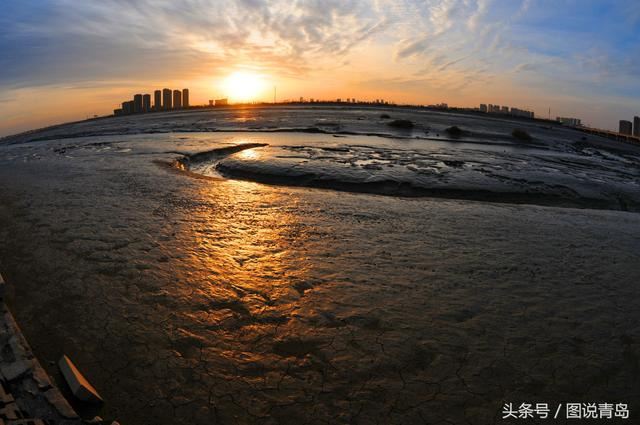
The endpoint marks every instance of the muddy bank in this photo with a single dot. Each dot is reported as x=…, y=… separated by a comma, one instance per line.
x=199, y=301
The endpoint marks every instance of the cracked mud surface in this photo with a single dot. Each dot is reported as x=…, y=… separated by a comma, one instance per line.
x=192, y=301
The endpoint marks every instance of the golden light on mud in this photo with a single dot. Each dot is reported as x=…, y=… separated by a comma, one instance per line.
x=246, y=263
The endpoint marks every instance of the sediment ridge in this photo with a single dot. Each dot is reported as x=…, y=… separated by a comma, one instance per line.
x=556, y=198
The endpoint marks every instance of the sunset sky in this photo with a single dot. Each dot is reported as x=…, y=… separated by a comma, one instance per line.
x=66, y=59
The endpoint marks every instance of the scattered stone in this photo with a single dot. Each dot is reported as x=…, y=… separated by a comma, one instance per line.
x=453, y=163
x=96, y=420
x=385, y=116
x=5, y=397
x=10, y=411
x=19, y=348
x=521, y=134
x=15, y=370
x=454, y=131
x=56, y=399
x=401, y=124
x=80, y=387
x=41, y=378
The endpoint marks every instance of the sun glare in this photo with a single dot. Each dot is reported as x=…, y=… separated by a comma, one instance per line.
x=243, y=86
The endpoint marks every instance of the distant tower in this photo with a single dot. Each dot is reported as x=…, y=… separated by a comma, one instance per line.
x=137, y=103
x=166, y=99
x=636, y=126
x=625, y=127
x=185, y=98
x=146, y=103
x=157, y=100
x=177, y=99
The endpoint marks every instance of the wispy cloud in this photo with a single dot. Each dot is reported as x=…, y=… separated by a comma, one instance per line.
x=76, y=40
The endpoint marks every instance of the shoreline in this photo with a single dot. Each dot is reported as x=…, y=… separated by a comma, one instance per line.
x=323, y=105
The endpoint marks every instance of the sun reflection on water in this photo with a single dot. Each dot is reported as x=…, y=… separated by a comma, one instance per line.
x=250, y=154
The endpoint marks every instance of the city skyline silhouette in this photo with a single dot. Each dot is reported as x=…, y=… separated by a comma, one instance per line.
x=64, y=63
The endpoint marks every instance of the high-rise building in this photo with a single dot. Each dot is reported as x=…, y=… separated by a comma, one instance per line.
x=166, y=99
x=636, y=126
x=483, y=107
x=185, y=98
x=137, y=103
x=222, y=102
x=146, y=103
x=177, y=99
x=626, y=127
x=157, y=100
x=127, y=107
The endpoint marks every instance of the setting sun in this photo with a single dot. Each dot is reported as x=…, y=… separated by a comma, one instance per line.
x=242, y=86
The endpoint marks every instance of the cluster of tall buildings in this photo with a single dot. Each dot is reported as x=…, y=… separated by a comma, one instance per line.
x=163, y=100
x=505, y=110
x=571, y=122
x=629, y=128
x=219, y=102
